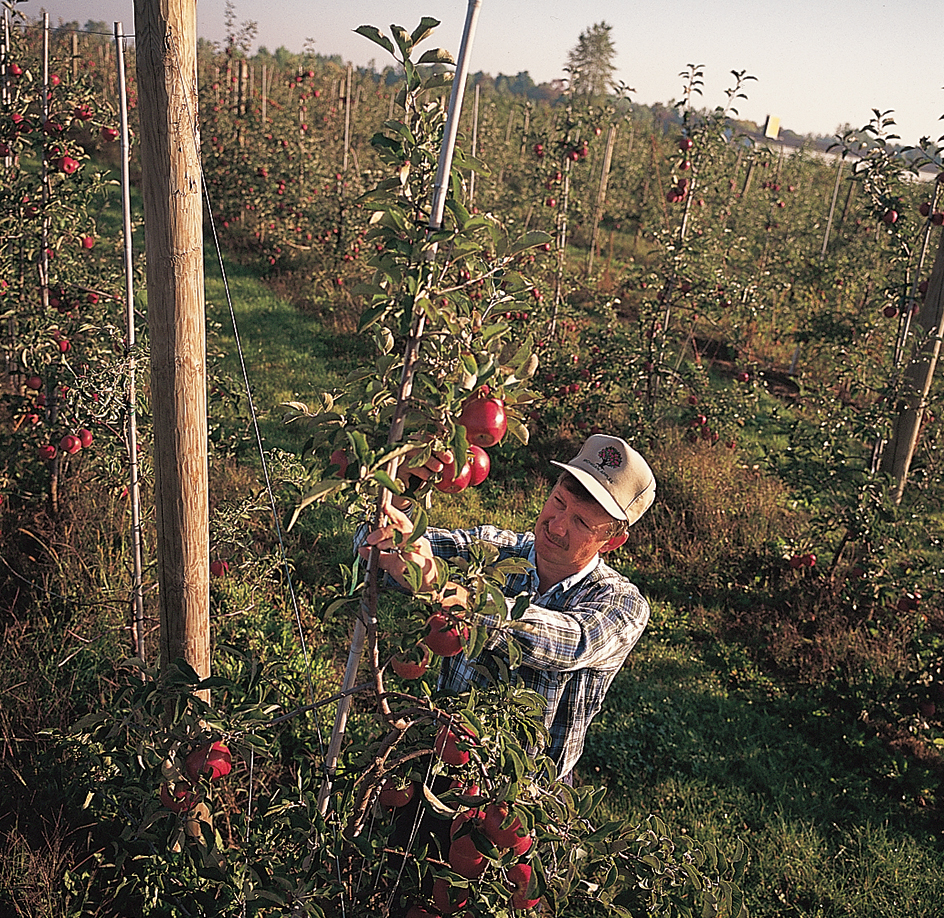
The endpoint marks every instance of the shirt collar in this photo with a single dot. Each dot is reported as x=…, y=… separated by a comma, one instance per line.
x=567, y=582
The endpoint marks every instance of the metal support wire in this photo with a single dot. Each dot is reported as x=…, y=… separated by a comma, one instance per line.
x=134, y=489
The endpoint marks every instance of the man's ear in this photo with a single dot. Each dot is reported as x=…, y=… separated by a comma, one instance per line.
x=615, y=542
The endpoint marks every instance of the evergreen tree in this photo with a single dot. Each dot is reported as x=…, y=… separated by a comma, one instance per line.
x=590, y=61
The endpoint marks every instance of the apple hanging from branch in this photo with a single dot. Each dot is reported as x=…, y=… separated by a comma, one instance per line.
x=484, y=420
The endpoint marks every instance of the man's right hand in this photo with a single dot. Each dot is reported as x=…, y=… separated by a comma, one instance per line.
x=432, y=467
x=392, y=558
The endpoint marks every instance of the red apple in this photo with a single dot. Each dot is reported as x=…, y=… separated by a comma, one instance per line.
x=218, y=567
x=480, y=463
x=685, y=144
x=407, y=667
x=88, y=242
x=484, y=420
x=890, y=216
x=519, y=878
x=109, y=134
x=47, y=451
x=214, y=760
x=85, y=437
x=447, y=748
x=453, y=482
x=465, y=859
x=448, y=899
x=394, y=794
x=34, y=382
x=937, y=218
x=70, y=444
x=924, y=208
x=496, y=825
x=180, y=799
x=890, y=311
x=417, y=911
x=444, y=637
x=462, y=818
x=67, y=164
x=339, y=458
x=523, y=845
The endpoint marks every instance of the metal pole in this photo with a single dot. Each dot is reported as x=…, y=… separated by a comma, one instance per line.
x=134, y=486
x=396, y=429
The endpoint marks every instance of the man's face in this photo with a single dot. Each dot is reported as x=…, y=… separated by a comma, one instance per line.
x=569, y=532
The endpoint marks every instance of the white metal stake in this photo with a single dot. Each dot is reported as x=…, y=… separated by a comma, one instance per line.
x=134, y=489
x=435, y=221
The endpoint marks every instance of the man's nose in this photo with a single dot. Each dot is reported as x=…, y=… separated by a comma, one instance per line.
x=557, y=525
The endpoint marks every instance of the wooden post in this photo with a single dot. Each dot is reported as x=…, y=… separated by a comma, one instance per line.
x=165, y=38
x=601, y=195
x=918, y=377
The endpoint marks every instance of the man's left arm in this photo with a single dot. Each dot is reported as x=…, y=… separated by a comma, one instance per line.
x=595, y=631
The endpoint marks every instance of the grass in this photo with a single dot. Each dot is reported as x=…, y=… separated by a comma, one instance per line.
x=692, y=732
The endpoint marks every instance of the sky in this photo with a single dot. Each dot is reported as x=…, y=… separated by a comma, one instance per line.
x=819, y=64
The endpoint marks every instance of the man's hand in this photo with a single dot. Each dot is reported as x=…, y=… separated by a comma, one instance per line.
x=433, y=466
x=392, y=558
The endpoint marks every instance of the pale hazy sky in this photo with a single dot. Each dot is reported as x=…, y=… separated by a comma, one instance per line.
x=819, y=63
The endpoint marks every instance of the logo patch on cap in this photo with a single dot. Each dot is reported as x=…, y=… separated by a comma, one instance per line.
x=609, y=456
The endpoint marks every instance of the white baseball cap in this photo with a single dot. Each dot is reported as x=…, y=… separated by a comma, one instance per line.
x=619, y=479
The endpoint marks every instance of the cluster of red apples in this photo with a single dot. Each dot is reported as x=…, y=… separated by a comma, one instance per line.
x=485, y=423
x=493, y=826
x=213, y=760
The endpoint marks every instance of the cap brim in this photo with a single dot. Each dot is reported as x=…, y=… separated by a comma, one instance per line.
x=599, y=493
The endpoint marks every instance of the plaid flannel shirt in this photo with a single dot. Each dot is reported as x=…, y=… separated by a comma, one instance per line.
x=575, y=637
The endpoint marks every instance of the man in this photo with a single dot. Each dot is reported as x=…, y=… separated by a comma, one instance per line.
x=584, y=617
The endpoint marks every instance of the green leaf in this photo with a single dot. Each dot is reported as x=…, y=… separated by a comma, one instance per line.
x=519, y=431
x=389, y=483
x=436, y=56
x=404, y=43
x=436, y=804
x=372, y=315
x=424, y=29
x=320, y=491
x=420, y=525
x=528, y=241
x=376, y=36
x=459, y=211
